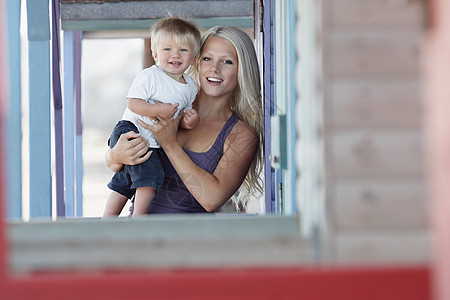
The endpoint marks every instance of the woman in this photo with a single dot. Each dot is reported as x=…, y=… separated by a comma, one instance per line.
x=205, y=166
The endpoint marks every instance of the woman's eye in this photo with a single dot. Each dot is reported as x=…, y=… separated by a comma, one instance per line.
x=228, y=62
x=206, y=59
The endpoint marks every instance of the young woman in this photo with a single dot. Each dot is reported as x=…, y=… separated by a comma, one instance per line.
x=205, y=166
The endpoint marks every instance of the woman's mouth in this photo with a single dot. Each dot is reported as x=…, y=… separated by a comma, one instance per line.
x=214, y=80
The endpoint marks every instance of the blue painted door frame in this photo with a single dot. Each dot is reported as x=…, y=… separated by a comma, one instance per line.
x=268, y=96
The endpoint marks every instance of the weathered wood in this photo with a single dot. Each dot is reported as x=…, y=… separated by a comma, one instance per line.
x=156, y=9
x=373, y=52
x=39, y=108
x=366, y=154
x=373, y=137
x=93, y=25
x=373, y=103
x=158, y=242
x=13, y=116
x=379, y=204
x=379, y=13
x=381, y=247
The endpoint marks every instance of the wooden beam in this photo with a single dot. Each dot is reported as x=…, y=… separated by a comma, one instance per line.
x=204, y=23
x=141, y=10
x=13, y=134
x=39, y=108
x=173, y=241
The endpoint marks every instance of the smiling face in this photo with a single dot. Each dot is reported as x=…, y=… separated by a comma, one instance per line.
x=174, y=57
x=218, y=68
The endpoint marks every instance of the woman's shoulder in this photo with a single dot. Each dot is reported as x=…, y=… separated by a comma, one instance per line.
x=242, y=131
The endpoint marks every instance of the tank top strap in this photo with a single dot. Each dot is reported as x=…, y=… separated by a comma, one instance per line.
x=226, y=129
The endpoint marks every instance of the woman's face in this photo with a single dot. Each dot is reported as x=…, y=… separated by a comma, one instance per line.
x=218, y=68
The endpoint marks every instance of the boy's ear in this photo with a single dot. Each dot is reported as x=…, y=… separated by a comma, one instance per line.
x=155, y=55
x=193, y=61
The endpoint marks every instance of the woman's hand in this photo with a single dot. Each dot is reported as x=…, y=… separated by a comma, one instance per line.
x=165, y=131
x=131, y=149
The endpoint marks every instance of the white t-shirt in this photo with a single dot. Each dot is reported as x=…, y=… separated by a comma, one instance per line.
x=154, y=84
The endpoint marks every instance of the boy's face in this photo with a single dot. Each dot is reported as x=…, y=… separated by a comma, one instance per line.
x=174, y=57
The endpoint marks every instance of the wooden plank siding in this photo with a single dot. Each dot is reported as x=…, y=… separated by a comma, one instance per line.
x=162, y=242
x=133, y=15
x=374, y=157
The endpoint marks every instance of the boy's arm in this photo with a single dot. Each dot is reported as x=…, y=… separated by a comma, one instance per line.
x=144, y=108
x=191, y=119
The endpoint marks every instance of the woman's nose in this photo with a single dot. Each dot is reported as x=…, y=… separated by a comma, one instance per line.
x=215, y=66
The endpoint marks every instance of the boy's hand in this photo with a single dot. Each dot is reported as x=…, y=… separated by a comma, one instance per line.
x=167, y=110
x=191, y=119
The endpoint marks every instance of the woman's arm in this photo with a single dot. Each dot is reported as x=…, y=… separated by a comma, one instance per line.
x=210, y=190
x=130, y=149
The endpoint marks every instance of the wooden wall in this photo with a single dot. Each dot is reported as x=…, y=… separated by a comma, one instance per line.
x=375, y=180
x=438, y=131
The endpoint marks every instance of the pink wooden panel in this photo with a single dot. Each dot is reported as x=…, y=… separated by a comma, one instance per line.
x=380, y=13
x=364, y=154
x=438, y=129
x=380, y=103
x=365, y=52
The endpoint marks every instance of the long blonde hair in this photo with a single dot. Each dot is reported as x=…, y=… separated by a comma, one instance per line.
x=246, y=101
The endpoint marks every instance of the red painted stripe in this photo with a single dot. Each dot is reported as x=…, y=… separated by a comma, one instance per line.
x=408, y=283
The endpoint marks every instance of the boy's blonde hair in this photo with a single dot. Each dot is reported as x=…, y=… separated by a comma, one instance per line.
x=180, y=30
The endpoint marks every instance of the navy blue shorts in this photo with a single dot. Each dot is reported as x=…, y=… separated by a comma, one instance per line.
x=148, y=174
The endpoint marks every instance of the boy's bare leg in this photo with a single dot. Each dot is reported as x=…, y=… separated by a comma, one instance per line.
x=114, y=204
x=142, y=200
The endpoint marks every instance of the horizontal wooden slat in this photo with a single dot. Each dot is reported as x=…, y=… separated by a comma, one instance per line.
x=135, y=10
x=380, y=204
x=368, y=153
x=379, y=13
x=373, y=52
x=407, y=247
x=158, y=242
x=384, y=103
x=139, y=25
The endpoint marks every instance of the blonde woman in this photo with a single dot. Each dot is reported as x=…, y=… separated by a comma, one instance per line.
x=205, y=166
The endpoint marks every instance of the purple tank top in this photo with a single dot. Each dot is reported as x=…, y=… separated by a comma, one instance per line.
x=174, y=197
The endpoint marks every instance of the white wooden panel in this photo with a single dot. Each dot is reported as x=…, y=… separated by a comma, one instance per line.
x=373, y=103
x=379, y=204
x=399, y=247
x=158, y=242
x=376, y=153
x=373, y=52
x=379, y=13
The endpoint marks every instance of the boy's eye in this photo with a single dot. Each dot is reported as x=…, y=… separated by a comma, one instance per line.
x=183, y=50
x=166, y=49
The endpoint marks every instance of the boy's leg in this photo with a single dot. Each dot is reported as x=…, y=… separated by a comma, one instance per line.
x=114, y=204
x=142, y=200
